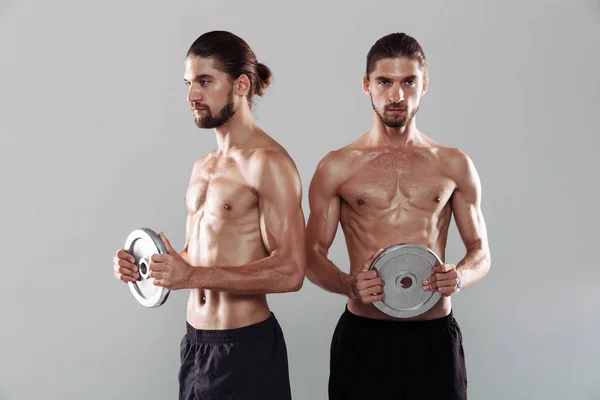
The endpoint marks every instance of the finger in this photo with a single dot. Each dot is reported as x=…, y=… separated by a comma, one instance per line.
x=365, y=275
x=127, y=272
x=122, y=254
x=156, y=274
x=371, y=299
x=436, y=286
x=124, y=278
x=372, y=291
x=157, y=266
x=369, y=283
x=167, y=243
x=158, y=282
x=367, y=264
x=446, y=290
x=120, y=264
x=160, y=258
x=441, y=276
x=442, y=268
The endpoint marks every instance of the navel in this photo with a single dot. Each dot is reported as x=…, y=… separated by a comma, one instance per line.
x=360, y=202
x=438, y=199
x=227, y=206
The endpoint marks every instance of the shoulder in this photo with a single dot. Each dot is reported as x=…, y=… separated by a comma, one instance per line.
x=272, y=167
x=338, y=162
x=201, y=162
x=459, y=166
x=452, y=156
x=272, y=159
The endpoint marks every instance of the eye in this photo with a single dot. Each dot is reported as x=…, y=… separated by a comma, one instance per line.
x=411, y=82
x=384, y=82
x=204, y=82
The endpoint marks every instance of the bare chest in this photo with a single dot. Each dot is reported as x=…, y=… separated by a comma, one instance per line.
x=223, y=194
x=398, y=183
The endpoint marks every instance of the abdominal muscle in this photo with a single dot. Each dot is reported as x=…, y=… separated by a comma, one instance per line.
x=225, y=244
x=362, y=246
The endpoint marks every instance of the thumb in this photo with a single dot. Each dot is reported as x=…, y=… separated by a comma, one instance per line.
x=369, y=262
x=170, y=249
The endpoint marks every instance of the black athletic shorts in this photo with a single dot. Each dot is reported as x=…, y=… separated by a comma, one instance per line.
x=244, y=363
x=417, y=360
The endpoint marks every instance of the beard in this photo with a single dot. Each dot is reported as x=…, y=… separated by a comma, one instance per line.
x=210, y=121
x=399, y=121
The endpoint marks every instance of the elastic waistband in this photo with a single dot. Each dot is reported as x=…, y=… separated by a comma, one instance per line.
x=397, y=324
x=232, y=335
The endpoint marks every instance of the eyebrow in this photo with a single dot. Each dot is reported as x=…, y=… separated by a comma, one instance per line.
x=385, y=78
x=199, y=77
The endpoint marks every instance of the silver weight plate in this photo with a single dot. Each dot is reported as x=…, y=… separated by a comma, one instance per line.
x=142, y=244
x=403, y=268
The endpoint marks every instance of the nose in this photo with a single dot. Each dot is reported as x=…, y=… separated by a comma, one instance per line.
x=194, y=94
x=396, y=94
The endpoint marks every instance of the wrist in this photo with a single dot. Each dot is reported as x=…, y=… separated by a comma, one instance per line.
x=348, y=286
x=192, y=277
x=459, y=283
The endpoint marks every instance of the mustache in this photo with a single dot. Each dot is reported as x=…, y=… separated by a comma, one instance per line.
x=395, y=108
x=196, y=105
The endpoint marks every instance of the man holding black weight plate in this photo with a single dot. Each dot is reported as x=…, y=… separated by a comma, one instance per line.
x=395, y=185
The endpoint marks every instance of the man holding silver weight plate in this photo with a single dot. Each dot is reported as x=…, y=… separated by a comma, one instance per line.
x=245, y=234
x=394, y=191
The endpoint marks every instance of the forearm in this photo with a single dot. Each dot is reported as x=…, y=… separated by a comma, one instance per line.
x=325, y=274
x=474, y=266
x=273, y=274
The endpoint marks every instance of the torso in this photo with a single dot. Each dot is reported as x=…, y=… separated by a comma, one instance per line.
x=392, y=196
x=224, y=230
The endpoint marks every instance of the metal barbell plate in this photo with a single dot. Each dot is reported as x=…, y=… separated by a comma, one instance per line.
x=403, y=268
x=142, y=244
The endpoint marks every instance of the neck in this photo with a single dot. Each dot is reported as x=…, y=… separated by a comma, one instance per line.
x=236, y=132
x=407, y=135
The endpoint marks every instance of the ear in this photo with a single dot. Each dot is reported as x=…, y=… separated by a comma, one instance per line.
x=425, y=86
x=241, y=86
x=365, y=85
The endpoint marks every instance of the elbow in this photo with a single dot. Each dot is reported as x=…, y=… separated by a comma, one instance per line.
x=295, y=277
x=486, y=263
x=296, y=284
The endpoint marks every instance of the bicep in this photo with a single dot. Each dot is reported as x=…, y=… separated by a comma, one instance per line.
x=280, y=207
x=466, y=206
x=324, y=204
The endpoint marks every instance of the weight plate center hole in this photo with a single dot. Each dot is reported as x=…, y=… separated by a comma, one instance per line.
x=144, y=269
x=406, y=282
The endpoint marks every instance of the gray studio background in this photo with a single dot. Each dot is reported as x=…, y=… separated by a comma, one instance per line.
x=97, y=140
